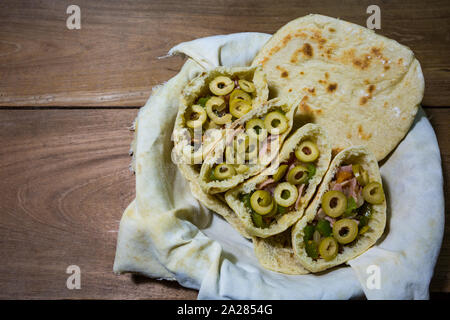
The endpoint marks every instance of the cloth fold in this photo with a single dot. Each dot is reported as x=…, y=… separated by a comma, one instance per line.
x=166, y=233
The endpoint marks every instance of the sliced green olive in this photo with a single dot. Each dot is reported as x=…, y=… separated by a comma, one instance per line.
x=238, y=107
x=307, y=151
x=311, y=249
x=275, y=122
x=285, y=194
x=217, y=104
x=255, y=129
x=238, y=94
x=280, y=172
x=297, y=175
x=328, y=248
x=334, y=203
x=224, y=171
x=274, y=210
x=247, y=86
x=345, y=230
x=241, y=168
x=373, y=193
x=196, y=116
x=262, y=202
x=221, y=85
x=360, y=174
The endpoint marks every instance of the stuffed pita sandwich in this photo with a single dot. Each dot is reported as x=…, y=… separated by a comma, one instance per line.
x=347, y=215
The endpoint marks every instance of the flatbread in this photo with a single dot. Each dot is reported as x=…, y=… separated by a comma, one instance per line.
x=275, y=253
x=363, y=88
x=310, y=132
x=353, y=155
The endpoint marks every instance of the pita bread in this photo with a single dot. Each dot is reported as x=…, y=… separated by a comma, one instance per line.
x=353, y=155
x=275, y=253
x=363, y=88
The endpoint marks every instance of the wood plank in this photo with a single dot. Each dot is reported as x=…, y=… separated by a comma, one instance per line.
x=440, y=120
x=65, y=182
x=113, y=59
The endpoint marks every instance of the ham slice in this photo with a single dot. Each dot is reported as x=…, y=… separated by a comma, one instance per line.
x=265, y=183
x=347, y=168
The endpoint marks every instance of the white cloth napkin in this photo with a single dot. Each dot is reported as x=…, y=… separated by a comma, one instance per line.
x=165, y=233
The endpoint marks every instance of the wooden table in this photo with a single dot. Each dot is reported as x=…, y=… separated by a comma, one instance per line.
x=67, y=98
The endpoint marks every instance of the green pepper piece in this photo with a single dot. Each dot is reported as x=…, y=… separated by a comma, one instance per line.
x=308, y=232
x=281, y=209
x=311, y=170
x=202, y=101
x=365, y=213
x=311, y=249
x=324, y=228
x=351, y=206
x=212, y=177
x=258, y=220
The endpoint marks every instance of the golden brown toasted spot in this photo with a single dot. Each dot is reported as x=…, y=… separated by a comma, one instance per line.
x=371, y=89
x=332, y=87
x=363, y=135
x=284, y=72
x=302, y=73
x=322, y=81
x=327, y=75
x=362, y=63
x=307, y=50
x=318, y=111
x=317, y=36
x=363, y=100
x=400, y=61
x=385, y=104
x=376, y=51
x=349, y=135
x=303, y=106
x=332, y=29
x=386, y=67
x=290, y=90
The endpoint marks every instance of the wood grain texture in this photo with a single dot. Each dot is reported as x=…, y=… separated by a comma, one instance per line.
x=113, y=59
x=64, y=183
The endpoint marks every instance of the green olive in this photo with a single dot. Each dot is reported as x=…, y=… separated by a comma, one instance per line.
x=261, y=201
x=373, y=193
x=217, y=103
x=307, y=151
x=247, y=86
x=275, y=122
x=241, y=168
x=285, y=194
x=196, y=116
x=255, y=129
x=360, y=174
x=224, y=171
x=328, y=248
x=345, y=230
x=280, y=172
x=238, y=94
x=297, y=175
x=334, y=203
x=238, y=107
x=221, y=85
